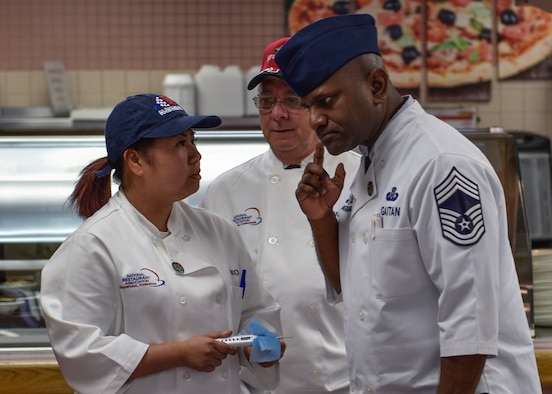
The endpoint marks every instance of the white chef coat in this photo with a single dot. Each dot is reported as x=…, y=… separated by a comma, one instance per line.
x=110, y=290
x=417, y=289
x=259, y=197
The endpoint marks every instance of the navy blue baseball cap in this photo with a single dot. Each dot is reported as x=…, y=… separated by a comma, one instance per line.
x=318, y=50
x=147, y=116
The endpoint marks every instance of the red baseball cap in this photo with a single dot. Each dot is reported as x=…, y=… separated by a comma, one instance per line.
x=269, y=66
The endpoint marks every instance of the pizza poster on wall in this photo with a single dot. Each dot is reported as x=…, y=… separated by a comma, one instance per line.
x=458, y=45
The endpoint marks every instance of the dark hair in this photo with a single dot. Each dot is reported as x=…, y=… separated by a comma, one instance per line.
x=91, y=193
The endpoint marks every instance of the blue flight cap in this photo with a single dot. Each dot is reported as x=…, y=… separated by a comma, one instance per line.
x=318, y=50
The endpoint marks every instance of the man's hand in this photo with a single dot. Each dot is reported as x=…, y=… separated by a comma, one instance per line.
x=317, y=192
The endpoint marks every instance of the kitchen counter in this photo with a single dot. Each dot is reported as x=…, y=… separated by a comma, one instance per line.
x=38, y=373
x=31, y=371
x=32, y=377
x=543, y=352
x=544, y=363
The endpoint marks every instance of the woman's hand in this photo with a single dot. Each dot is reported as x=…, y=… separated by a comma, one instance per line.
x=204, y=353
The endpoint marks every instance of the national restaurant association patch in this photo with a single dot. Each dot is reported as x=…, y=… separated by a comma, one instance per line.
x=460, y=212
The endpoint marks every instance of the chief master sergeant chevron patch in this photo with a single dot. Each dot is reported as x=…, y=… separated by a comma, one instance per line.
x=460, y=210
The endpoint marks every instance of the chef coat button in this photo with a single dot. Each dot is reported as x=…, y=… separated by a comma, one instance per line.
x=353, y=387
x=312, y=307
x=274, y=179
x=311, y=243
x=187, y=376
x=361, y=315
x=186, y=238
x=365, y=238
x=315, y=372
x=382, y=163
x=219, y=298
x=225, y=375
x=273, y=240
x=352, y=238
x=183, y=301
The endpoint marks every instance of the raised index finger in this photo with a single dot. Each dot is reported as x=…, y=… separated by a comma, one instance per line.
x=319, y=154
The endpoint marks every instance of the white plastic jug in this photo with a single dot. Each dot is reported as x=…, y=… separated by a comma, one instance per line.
x=181, y=88
x=220, y=92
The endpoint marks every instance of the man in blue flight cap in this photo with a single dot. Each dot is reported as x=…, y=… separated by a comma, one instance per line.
x=419, y=253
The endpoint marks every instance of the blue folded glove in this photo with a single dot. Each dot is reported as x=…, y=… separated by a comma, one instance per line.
x=266, y=347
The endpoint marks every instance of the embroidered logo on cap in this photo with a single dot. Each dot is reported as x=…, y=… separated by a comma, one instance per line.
x=270, y=61
x=165, y=105
x=460, y=210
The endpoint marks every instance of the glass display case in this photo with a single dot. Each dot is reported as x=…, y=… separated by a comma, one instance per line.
x=37, y=174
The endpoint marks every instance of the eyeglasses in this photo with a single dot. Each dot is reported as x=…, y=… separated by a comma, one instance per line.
x=266, y=103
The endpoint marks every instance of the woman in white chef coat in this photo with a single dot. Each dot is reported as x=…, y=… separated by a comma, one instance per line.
x=135, y=299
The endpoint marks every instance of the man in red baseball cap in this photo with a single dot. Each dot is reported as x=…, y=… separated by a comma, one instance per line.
x=259, y=197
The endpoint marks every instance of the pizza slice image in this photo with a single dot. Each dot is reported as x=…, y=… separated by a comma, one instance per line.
x=524, y=36
x=400, y=34
x=457, y=42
